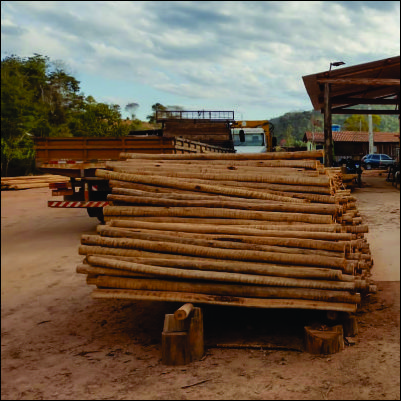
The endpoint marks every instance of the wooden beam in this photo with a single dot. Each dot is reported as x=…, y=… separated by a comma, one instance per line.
x=328, y=136
x=368, y=92
x=360, y=81
x=358, y=111
x=354, y=101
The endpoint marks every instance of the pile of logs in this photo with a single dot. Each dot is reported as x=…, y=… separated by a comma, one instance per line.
x=30, y=181
x=271, y=230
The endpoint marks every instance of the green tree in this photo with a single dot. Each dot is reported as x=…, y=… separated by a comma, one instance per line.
x=22, y=87
x=152, y=117
x=39, y=98
x=99, y=120
x=359, y=122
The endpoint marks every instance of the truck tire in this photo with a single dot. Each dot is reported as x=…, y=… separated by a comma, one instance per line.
x=96, y=212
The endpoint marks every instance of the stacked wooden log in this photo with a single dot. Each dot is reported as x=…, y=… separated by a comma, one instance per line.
x=272, y=230
x=30, y=181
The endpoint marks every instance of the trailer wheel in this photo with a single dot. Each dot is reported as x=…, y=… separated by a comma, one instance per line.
x=96, y=212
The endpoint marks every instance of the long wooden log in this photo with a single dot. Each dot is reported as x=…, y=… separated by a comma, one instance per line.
x=299, y=188
x=253, y=279
x=166, y=296
x=181, y=261
x=232, y=229
x=249, y=240
x=152, y=188
x=184, y=184
x=257, y=243
x=303, y=165
x=218, y=253
x=26, y=185
x=278, y=188
x=300, y=155
x=188, y=195
x=315, y=198
x=224, y=222
x=268, y=178
x=265, y=187
x=104, y=271
x=240, y=223
x=307, y=164
x=138, y=211
x=229, y=169
x=249, y=291
x=179, y=195
x=34, y=177
x=231, y=204
x=230, y=175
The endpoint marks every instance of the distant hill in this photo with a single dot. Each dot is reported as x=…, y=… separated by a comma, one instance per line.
x=299, y=122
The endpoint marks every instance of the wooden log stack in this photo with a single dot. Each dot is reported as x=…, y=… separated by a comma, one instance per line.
x=270, y=230
x=30, y=181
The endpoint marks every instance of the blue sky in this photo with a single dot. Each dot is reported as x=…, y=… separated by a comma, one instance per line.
x=245, y=56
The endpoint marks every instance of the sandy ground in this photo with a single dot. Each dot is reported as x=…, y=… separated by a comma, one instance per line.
x=59, y=343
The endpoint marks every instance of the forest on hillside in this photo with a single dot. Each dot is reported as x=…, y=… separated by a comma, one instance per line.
x=293, y=125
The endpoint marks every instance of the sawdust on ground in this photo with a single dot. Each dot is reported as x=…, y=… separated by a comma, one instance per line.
x=58, y=343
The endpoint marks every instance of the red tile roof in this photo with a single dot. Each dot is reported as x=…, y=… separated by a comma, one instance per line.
x=354, y=136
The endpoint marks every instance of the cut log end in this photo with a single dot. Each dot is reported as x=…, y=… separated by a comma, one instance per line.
x=184, y=312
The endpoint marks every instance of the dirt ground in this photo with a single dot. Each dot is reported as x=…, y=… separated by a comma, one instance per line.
x=59, y=343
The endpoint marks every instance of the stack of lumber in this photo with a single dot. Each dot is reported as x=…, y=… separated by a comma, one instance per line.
x=30, y=181
x=270, y=230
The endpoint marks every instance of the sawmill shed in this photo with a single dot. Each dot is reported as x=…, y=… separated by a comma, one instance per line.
x=335, y=91
x=355, y=144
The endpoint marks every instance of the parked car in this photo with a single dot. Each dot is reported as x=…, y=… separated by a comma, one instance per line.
x=377, y=161
x=364, y=157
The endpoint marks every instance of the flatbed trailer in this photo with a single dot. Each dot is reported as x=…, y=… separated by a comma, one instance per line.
x=78, y=159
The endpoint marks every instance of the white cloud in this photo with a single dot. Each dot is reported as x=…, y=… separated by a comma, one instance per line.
x=251, y=54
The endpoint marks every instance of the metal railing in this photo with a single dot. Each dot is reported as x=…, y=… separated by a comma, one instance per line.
x=207, y=115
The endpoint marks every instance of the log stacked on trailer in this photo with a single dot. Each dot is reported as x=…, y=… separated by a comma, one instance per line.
x=30, y=181
x=270, y=230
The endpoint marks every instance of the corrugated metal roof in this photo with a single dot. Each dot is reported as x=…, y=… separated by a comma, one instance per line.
x=353, y=136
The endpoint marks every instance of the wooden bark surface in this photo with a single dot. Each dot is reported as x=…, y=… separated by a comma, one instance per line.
x=166, y=296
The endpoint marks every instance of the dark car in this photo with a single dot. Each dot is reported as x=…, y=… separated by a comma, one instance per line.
x=378, y=160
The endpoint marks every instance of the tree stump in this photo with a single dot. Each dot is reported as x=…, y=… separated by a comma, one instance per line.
x=321, y=339
x=175, y=348
x=172, y=325
x=195, y=335
x=182, y=340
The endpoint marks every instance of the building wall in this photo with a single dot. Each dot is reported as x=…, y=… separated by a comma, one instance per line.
x=357, y=149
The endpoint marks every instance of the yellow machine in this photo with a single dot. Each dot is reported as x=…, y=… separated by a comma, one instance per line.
x=267, y=127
